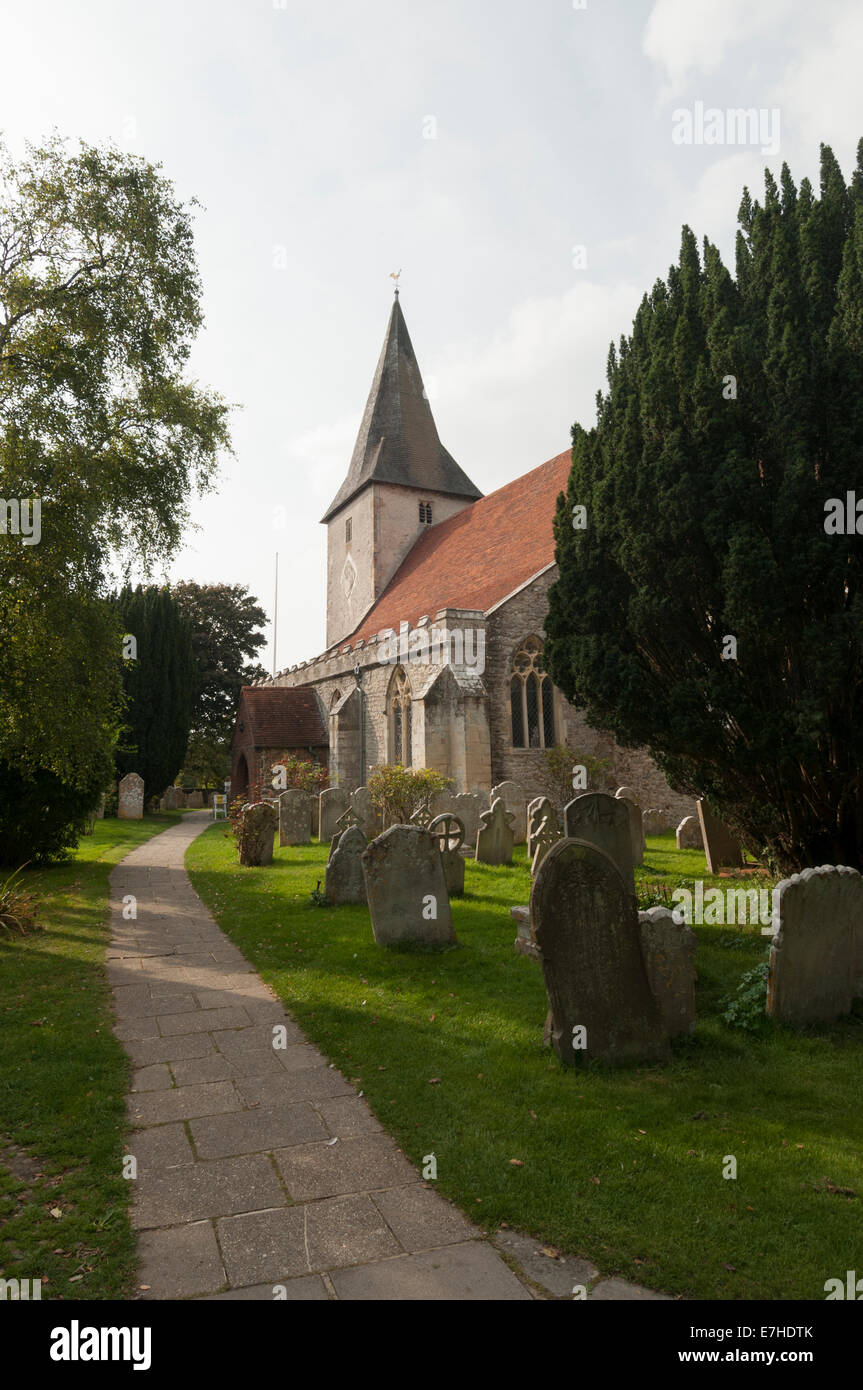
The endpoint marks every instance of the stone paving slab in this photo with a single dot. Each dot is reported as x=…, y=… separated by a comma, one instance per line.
x=258, y=1165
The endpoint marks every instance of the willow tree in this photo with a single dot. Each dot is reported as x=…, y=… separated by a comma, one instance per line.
x=708, y=605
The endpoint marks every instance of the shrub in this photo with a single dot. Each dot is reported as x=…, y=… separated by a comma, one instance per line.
x=561, y=760
x=304, y=774
x=398, y=791
x=745, y=1008
x=17, y=907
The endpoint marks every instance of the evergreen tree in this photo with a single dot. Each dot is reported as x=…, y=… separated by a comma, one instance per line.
x=159, y=684
x=733, y=414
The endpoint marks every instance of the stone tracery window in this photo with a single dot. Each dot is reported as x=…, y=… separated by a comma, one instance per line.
x=400, y=718
x=531, y=696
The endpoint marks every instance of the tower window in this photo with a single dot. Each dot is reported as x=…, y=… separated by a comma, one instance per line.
x=425, y=513
x=348, y=530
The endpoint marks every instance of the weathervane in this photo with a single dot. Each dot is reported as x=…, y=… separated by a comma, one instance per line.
x=394, y=275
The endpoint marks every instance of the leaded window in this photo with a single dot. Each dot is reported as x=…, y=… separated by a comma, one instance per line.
x=531, y=696
x=400, y=718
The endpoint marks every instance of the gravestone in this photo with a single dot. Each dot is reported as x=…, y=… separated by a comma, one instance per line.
x=655, y=822
x=689, y=833
x=668, y=948
x=314, y=813
x=406, y=888
x=815, y=956
x=443, y=804
x=422, y=816
x=334, y=802
x=344, y=881
x=334, y=844
x=195, y=800
x=448, y=834
x=468, y=806
x=99, y=813
x=524, y=943
x=495, y=837
x=541, y=809
x=257, y=830
x=366, y=812
x=294, y=817
x=130, y=797
x=547, y=835
x=720, y=846
x=584, y=921
x=179, y=799
x=515, y=802
x=626, y=794
x=636, y=829
x=169, y=800
x=602, y=821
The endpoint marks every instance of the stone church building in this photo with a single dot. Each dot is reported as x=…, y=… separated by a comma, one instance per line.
x=436, y=599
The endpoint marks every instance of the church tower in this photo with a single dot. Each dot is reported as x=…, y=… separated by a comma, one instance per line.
x=401, y=480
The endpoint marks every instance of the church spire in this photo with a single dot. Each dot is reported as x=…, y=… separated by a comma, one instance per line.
x=398, y=440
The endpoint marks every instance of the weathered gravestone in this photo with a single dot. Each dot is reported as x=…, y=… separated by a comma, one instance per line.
x=258, y=825
x=468, y=806
x=334, y=802
x=689, y=834
x=367, y=814
x=584, y=921
x=626, y=794
x=448, y=834
x=515, y=801
x=179, y=799
x=495, y=837
x=406, y=888
x=422, y=816
x=603, y=821
x=655, y=822
x=334, y=844
x=294, y=817
x=668, y=948
x=344, y=881
x=443, y=804
x=636, y=829
x=130, y=797
x=314, y=813
x=195, y=800
x=99, y=813
x=524, y=943
x=720, y=847
x=541, y=809
x=815, y=955
x=547, y=835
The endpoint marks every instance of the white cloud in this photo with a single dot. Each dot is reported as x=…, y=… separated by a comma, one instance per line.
x=687, y=37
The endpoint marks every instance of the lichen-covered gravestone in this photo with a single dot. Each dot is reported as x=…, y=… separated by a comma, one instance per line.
x=130, y=797
x=467, y=806
x=655, y=821
x=448, y=834
x=367, y=815
x=720, y=846
x=258, y=824
x=689, y=834
x=547, y=835
x=515, y=801
x=406, y=888
x=344, y=881
x=602, y=821
x=668, y=948
x=540, y=810
x=815, y=956
x=584, y=921
x=495, y=837
x=195, y=800
x=334, y=802
x=294, y=817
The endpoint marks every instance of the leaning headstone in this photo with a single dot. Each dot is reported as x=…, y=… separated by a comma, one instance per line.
x=720, y=847
x=367, y=814
x=547, y=835
x=655, y=822
x=130, y=798
x=257, y=830
x=495, y=837
x=334, y=802
x=195, y=800
x=539, y=811
x=689, y=834
x=468, y=806
x=516, y=803
x=406, y=888
x=603, y=821
x=668, y=948
x=585, y=923
x=294, y=817
x=636, y=829
x=815, y=955
x=448, y=834
x=344, y=882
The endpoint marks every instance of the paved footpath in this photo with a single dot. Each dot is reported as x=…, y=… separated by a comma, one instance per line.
x=259, y=1166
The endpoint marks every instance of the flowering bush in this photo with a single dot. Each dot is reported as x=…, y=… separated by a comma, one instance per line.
x=399, y=791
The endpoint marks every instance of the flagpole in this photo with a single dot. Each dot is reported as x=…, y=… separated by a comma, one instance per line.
x=276, y=615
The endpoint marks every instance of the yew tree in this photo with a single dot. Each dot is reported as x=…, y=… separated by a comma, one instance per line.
x=709, y=607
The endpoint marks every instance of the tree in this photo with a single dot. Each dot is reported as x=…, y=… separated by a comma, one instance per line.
x=225, y=619
x=704, y=610
x=398, y=791
x=159, y=685
x=99, y=304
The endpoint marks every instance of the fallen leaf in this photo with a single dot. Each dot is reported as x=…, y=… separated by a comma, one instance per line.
x=642, y=1131
x=595, y=1181
x=144, y=1287
x=690, y=1153
x=434, y=1080
x=516, y=1163
x=431, y=1018
x=551, y=1251
x=330, y=1142
x=75, y=1277
x=56, y=1213
x=732, y=1269
x=533, y=1115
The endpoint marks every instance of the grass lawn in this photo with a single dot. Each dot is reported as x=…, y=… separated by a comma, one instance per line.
x=623, y=1167
x=63, y=1081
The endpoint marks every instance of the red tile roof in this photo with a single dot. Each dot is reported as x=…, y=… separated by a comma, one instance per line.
x=282, y=718
x=479, y=556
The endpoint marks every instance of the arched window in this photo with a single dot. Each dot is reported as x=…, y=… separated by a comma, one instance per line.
x=425, y=513
x=337, y=695
x=531, y=698
x=400, y=718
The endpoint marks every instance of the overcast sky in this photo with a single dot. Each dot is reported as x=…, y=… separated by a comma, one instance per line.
x=473, y=145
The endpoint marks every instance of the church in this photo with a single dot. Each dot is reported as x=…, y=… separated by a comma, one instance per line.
x=436, y=599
